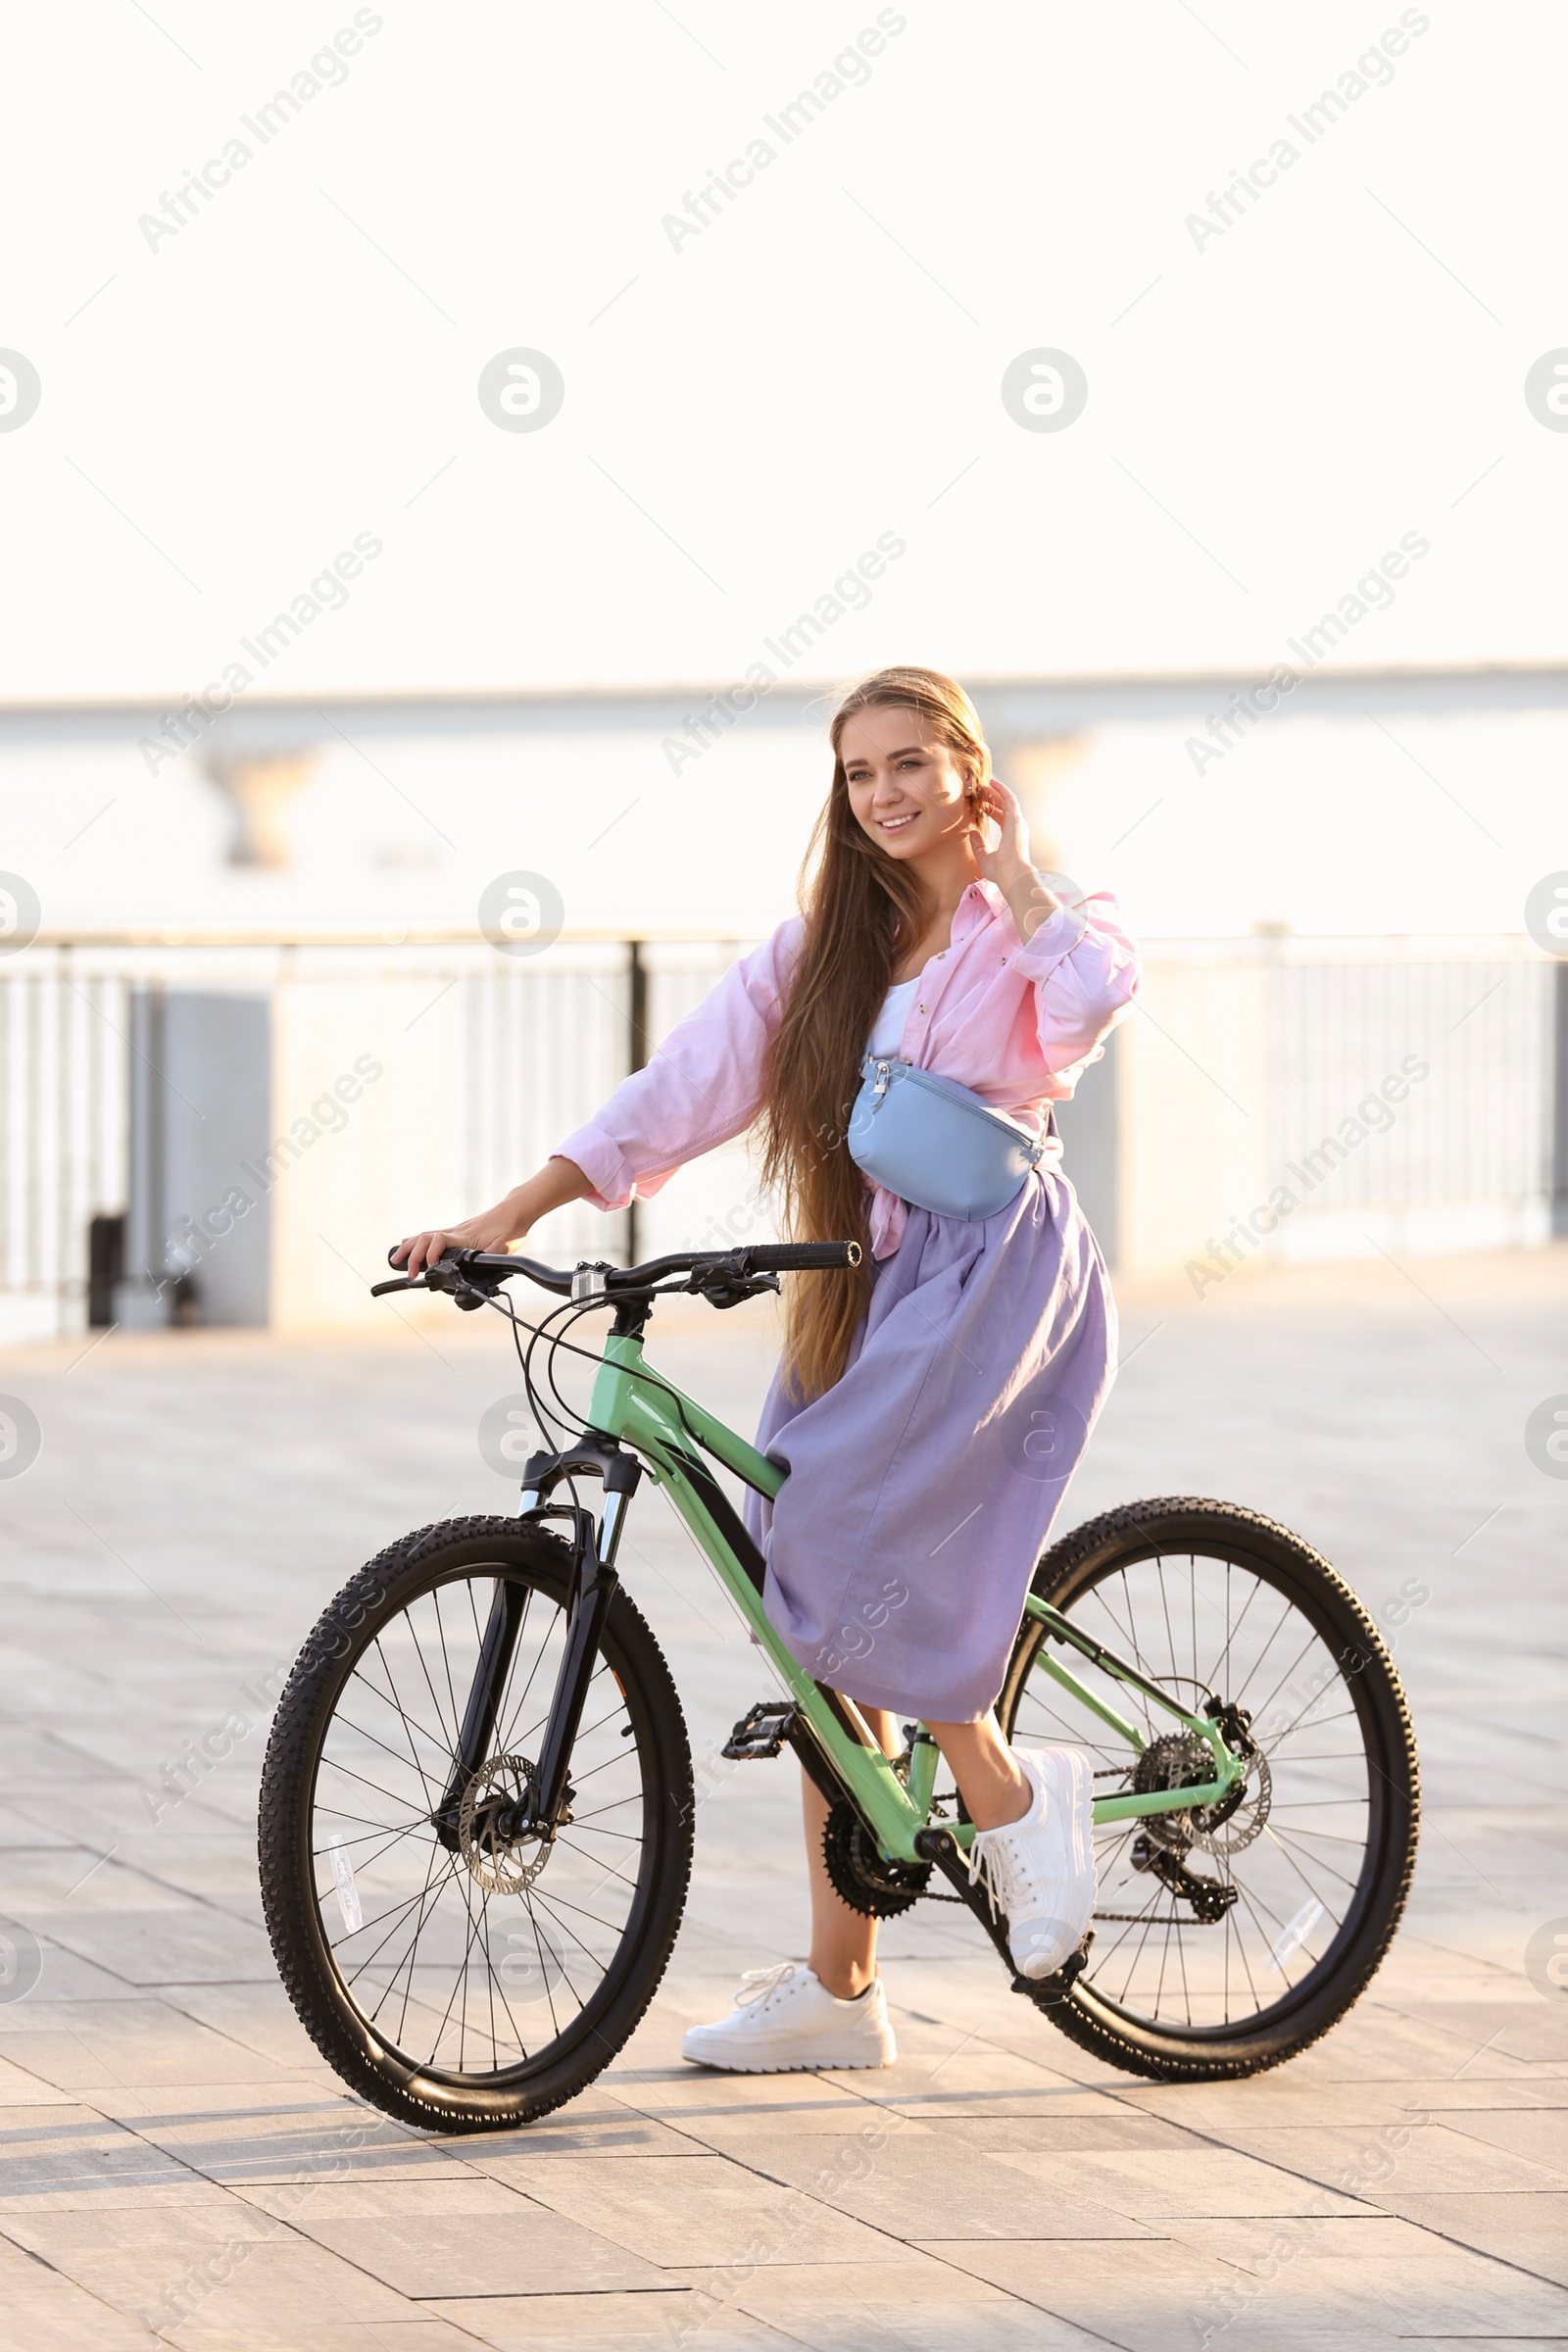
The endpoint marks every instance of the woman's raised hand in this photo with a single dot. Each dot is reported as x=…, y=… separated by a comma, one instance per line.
x=1028, y=894
x=1009, y=859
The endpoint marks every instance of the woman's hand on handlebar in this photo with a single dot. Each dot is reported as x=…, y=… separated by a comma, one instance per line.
x=496, y=1229
x=557, y=1182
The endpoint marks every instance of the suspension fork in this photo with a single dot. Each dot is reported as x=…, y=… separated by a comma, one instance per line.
x=594, y=1582
x=592, y=1589
x=496, y=1652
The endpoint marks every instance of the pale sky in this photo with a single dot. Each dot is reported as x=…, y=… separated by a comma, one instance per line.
x=225, y=409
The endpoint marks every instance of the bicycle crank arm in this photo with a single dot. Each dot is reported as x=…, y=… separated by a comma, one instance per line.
x=939, y=1845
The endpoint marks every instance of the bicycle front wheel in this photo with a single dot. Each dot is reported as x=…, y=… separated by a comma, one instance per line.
x=459, y=1980
x=1227, y=1937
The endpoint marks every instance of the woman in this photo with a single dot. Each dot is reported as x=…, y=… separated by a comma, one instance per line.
x=931, y=1405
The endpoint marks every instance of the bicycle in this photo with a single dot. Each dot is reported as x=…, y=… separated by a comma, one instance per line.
x=476, y=1811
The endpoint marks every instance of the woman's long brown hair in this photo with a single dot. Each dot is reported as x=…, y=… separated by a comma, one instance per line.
x=864, y=910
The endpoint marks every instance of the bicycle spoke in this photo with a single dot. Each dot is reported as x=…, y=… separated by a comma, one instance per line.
x=389, y=1697
x=539, y=1724
x=539, y=1949
x=1125, y=1633
x=578, y=1777
x=1264, y=1704
x=1180, y=1962
x=1284, y=1839
x=397, y=1915
x=367, y=1861
x=508, y=1741
x=1285, y=1615
x=560, y=1958
x=336, y=1764
x=1138, y=1955
x=1232, y=1633
x=450, y=1737
x=500, y=1975
x=1192, y=1596
x=1127, y=1927
x=1241, y=1949
x=376, y=1740
x=1164, y=1610
x=460, y=1983
x=1279, y=1738
x=373, y=1828
x=430, y=1874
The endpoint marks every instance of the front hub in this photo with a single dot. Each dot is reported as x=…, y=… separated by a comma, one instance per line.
x=503, y=1848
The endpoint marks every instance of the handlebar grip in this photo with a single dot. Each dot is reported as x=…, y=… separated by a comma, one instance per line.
x=472, y=1265
x=791, y=1257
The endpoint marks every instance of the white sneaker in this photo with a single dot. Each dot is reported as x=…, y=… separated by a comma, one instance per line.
x=785, y=2021
x=1040, y=1870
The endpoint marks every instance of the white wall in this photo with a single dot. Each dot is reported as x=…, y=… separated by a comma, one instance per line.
x=1435, y=807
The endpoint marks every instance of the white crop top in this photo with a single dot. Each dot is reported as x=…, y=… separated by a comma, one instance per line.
x=887, y=1030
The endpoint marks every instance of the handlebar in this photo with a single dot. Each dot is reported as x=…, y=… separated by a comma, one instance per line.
x=484, y=1270
x=759, y=1257
x=487, y=1264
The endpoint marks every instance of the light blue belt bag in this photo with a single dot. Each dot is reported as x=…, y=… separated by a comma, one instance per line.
x=936, y=1144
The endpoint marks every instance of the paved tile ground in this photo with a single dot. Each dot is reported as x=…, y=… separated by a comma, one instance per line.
x=173, y=2147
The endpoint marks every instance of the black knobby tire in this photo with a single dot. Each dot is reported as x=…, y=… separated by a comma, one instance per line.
x=1320, y=1849
x=386, y=1937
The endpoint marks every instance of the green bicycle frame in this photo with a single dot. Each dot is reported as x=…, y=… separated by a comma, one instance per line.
x=649, y=1413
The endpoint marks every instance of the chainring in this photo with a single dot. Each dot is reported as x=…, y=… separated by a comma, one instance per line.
x=494, y=1862
x=1179, y=1757
x=865, y=1880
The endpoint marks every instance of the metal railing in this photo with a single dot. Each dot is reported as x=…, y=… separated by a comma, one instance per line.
x=1467, y=1153
x=538, y=1044
x=1477, y=1154
x=63, y=1093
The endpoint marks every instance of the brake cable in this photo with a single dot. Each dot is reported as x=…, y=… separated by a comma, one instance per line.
x=541, y=1331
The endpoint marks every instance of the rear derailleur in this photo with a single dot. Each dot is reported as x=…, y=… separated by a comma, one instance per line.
x=1210, y=1898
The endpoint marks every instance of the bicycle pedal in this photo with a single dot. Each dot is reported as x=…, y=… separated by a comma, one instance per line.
x=761, y=1730
x=1046, y=1992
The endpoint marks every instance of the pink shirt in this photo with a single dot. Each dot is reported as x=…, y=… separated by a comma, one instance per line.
x=1015, y=1023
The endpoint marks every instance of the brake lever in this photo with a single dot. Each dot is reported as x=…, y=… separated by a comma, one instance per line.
x=466, y=1289
x=730, y=1290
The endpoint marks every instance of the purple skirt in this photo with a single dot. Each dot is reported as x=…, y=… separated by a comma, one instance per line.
x=922, y=1487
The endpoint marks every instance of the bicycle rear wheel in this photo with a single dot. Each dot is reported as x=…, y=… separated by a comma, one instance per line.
x=1226, y=1938
x=458, y=1980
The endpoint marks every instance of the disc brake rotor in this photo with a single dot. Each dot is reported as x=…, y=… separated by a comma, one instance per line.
x=1231, y=1825
x=496, y=1859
